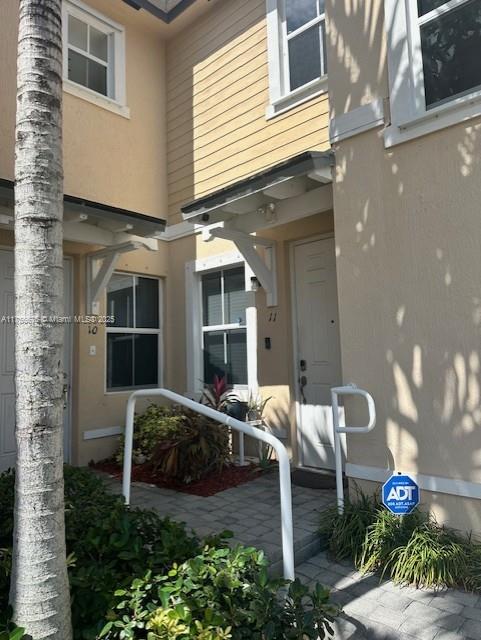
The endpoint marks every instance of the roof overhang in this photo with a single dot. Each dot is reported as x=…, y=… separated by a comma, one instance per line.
x=261, y=192
x=165, y=10
x=91, y=222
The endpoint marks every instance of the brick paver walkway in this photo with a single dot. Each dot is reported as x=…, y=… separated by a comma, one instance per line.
x=374, y=610
x=251, y=511
x=371, y=610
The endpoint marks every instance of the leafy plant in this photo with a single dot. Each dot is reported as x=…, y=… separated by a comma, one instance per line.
x=221, y=593
x=181, y=444
x=157, y=423
x=256, y=405
x=346, y=532
x=218, y=395
x=200, y=447
x=432, y=557
x=9, y=630
x=412, y=549
x=386, y=534
x=136, y=575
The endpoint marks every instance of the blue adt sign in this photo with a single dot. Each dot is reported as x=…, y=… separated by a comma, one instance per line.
x=400, y=494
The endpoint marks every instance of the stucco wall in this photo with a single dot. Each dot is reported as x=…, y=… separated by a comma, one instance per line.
x=409, y=264
x=107, y=158
x=93, y=407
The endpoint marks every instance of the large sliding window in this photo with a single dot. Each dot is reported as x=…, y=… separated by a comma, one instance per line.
x=224, y=331
x=133, y=339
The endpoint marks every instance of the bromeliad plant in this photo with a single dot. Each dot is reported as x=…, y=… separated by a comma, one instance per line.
x=218, y=395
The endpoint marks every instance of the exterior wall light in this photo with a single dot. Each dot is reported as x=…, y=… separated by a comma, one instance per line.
x=255, y=284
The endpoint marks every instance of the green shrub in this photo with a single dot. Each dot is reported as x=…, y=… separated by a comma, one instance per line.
x=412, y=549
x=107, y=546
x=157, y=423
x=129, y=568
x=433, y=556
x=346, y=532
x=183, y=445
x=221, y=593
x=384, y=535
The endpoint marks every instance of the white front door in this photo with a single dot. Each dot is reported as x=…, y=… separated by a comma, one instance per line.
x=7, y=359
x=316, y=318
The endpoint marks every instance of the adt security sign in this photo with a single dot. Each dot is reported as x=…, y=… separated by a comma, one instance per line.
x=400, y=494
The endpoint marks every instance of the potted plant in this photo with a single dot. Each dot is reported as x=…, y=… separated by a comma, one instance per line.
x=220, y=396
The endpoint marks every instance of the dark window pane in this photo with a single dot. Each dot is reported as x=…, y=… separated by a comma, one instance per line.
x=120, y=300
x=299, y=12
x=77, y=68
x=146, y=360
x=214, y=355
x=146, y=303
x=304, y=57
x=425, y=6
x=237, y=357
x=97, y=77
x=225, y=354
x=99, y=44
x=212, y=299
x=77, y=33
x=234, y=296
x=451, y=47
x=119, y=360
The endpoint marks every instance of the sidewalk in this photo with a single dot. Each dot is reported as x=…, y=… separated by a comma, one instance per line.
x=384, y=611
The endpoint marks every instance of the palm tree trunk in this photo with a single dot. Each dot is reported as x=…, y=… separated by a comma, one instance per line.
x=39, y=589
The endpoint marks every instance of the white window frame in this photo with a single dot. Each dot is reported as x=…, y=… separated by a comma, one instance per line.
x=409, y=116
x=151, y=331
x=280, y=96
x=115, y=101
x=194, y=271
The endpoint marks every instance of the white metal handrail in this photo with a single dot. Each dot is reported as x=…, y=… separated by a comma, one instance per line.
x=243, y=428
x=348, y=390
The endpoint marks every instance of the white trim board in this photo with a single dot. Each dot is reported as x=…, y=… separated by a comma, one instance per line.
x=366, y=117
x=106, y=432
x=435, y=484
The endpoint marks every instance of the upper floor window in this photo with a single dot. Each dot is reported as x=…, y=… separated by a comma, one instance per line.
x=435, y=75
x=94, y=54
x=297, y=51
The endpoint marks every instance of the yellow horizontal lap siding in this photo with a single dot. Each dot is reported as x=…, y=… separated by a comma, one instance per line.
x=211, y=33
x=202, y=76
x=244, y=93
x=264, y=156
x=253, y=70
x=186, y=147
x=208, y=152
x=242, y=112
x=217, y=87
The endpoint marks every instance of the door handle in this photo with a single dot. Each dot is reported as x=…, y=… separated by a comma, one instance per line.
x=303, y=365
x=302, y=384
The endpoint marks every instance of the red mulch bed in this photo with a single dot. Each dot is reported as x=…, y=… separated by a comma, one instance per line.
x=230, y=476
